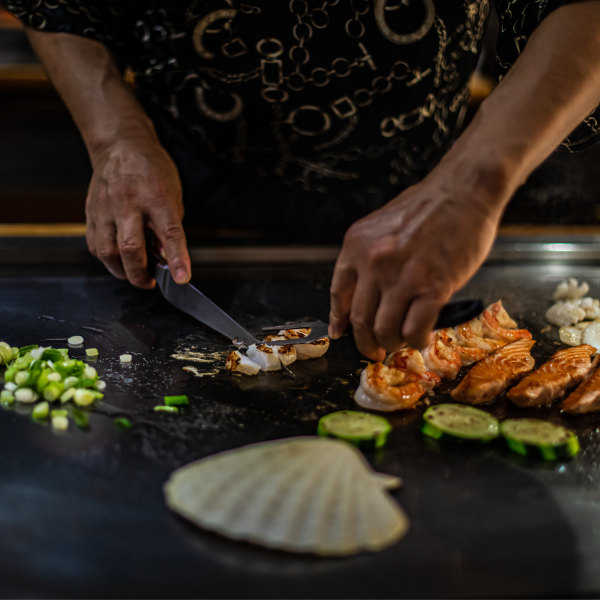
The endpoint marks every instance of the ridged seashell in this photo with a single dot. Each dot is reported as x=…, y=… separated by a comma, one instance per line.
x=304, y=494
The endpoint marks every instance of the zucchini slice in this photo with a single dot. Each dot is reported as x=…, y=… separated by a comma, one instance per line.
x=533, y=437
x=455, y=422
x=364, y=430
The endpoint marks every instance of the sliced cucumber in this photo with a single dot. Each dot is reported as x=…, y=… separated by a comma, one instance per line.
x=364, y=430
x=533, y=437
x=459, y=422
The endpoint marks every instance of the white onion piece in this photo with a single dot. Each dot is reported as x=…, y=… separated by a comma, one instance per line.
x=591, y=336
x=60, y=423
x=570, y=289
x=75, y=340
x=125, y=358
x=570, y=335
x=236, y=361
x=264, y=356
x=565, y=313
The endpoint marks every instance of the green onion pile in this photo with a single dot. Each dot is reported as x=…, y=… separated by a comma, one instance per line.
x=48, y=375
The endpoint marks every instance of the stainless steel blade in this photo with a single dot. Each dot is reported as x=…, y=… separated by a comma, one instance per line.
x=194, y=303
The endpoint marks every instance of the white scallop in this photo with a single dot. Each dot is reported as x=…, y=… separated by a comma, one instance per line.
x=570, y=335
x=265, y=356
x=591, y=336
x=304, y=494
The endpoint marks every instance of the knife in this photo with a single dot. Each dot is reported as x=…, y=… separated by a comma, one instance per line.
x=193, y=302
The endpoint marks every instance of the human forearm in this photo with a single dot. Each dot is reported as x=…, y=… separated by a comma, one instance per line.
x=85, y=75
x=551, y=88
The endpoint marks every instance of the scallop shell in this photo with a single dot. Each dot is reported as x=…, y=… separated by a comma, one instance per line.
x=304, y=494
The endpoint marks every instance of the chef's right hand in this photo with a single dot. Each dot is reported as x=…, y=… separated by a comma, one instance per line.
x=136, y=186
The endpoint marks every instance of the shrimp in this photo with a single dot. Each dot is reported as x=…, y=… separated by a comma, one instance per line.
x=440, y=357
x=387, y=389
x=470, y=335
x=467, y=355
x=411, y=361
x=497, y=325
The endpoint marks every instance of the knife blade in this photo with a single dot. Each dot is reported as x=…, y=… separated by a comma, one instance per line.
x=193, y=302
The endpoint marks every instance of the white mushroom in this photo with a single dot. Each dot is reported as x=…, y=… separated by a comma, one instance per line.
x=570, y=335
x=591, y=336
x=565, y=313
x=570, y=289
x=265, y=356
x=236, y=361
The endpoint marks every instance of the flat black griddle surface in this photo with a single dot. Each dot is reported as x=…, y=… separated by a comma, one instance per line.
x=82, y=514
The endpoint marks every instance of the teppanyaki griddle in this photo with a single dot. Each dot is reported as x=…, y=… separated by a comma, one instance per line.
x=82, y=514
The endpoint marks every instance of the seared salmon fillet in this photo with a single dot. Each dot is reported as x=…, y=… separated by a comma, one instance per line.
x=495, y=373
x=586, y=398
x=565, y=369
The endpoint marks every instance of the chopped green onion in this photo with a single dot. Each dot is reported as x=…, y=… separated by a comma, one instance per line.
x=51, y=354
x=37, y=353
x=25, y=349
x=176, y=400
x=21, y=377
x=90, y=373
x=7, y=396
x=5, y=345
x=81, y=418
x=54, y=377
x=59, y=412
x=52, y=391
x=70, y=382
x=170, y=409
x=5, y=354
x=121, y=423
x=75, y=340
x=84, y=397
x=100, y=385
x=41, y=410
x=26, y=395
x=60, y=423
x=15, y=353
x=64, y=352
x=10, y=386
x=92, y=352
x=68, y=395
x=125, y=358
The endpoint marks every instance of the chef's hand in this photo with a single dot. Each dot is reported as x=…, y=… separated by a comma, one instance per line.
x=135, y=186
x=399, y=265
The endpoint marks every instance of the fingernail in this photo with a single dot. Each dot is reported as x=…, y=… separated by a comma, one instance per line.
x=181, y=276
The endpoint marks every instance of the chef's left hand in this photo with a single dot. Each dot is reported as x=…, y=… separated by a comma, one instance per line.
x=399, y=265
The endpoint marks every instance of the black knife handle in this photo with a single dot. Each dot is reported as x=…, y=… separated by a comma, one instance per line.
x=456, y=313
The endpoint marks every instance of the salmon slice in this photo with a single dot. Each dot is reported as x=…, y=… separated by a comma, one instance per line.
x=586, y=398
x=495, y=373
x=497, y=325
x=565, y=369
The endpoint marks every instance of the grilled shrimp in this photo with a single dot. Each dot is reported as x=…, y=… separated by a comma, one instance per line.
x=440, y=357
x=470, y=335
x=497, y=325
x=387, y=389
x=412, y=362
x=467, y=355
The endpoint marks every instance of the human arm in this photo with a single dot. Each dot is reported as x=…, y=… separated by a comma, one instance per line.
x=401, y=263
x=135, y=184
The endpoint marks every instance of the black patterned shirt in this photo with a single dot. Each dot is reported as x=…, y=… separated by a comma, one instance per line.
x=321, y=94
